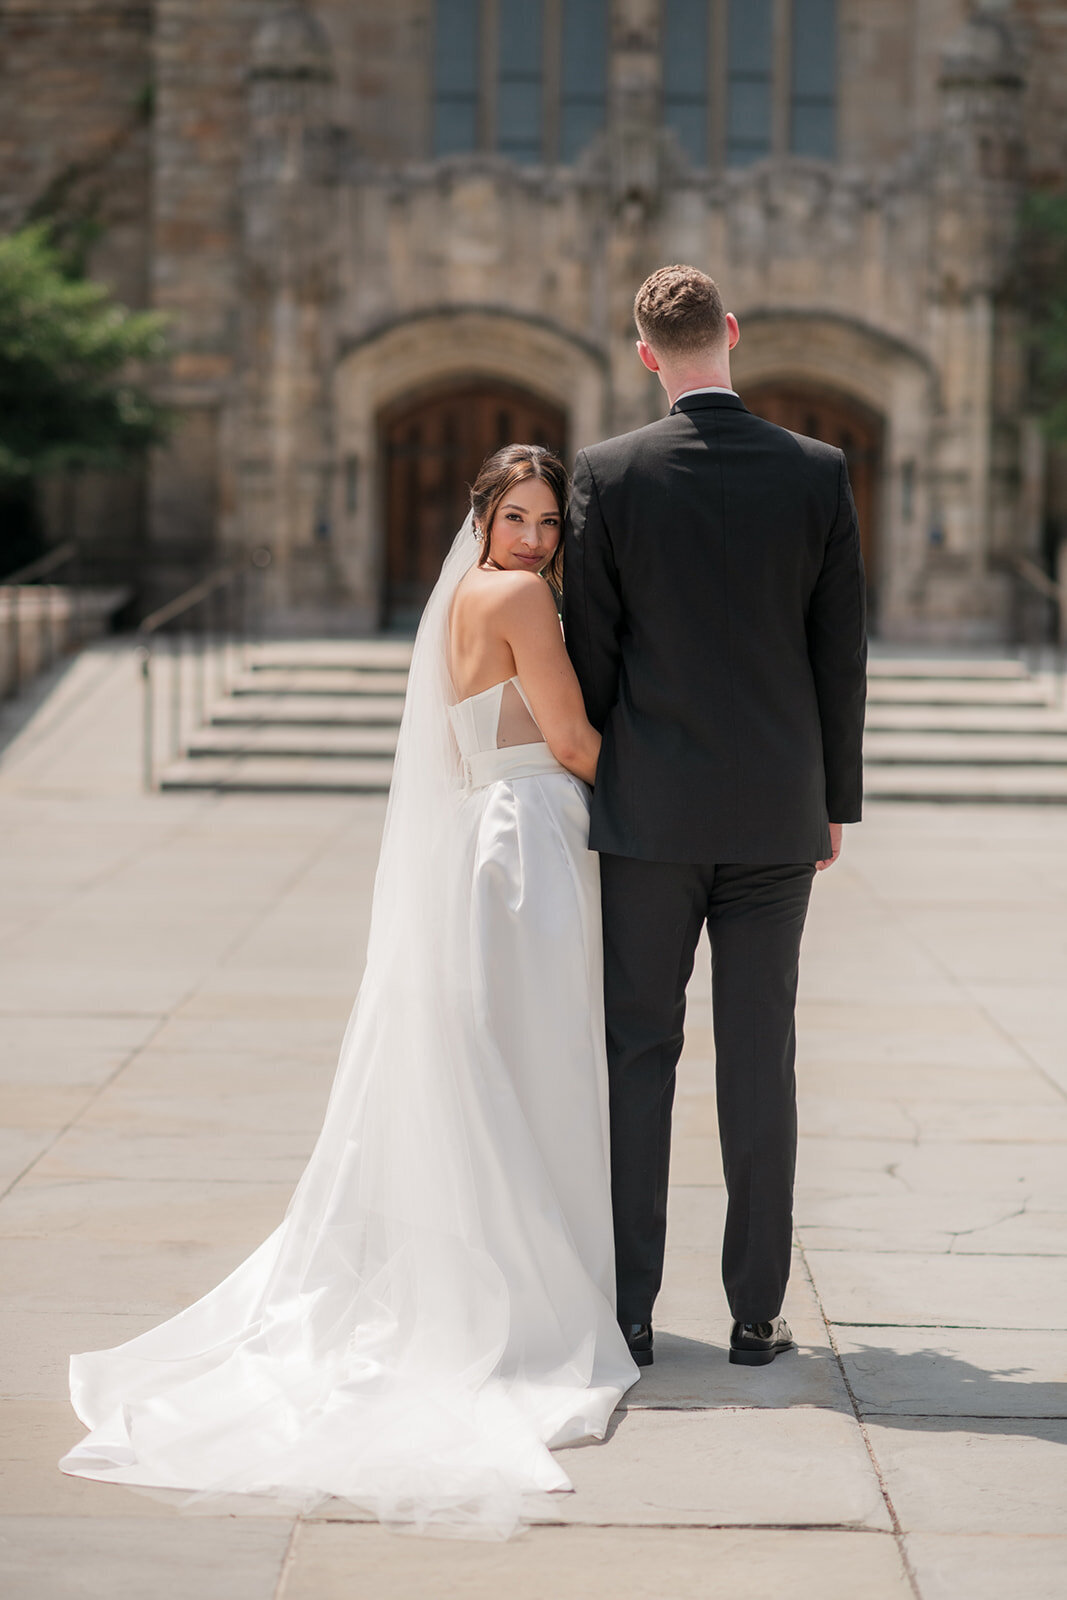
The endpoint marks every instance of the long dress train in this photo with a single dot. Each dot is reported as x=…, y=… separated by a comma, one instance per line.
x=435, y=1312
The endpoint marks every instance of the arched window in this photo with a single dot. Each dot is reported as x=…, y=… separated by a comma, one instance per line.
x=749, y=81
x=527, y=78
x=814, y=78
x=457, y=70
x=744, y=79
x=583, y=74
x=520, y=79
x=686, y=74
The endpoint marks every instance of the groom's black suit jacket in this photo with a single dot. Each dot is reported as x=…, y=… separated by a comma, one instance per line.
x=713, y=603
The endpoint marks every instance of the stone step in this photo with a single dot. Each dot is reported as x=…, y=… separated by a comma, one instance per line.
x=1022, y=785
x=1031, y=785
x=323, y=711
x=329, y=743
x=306, y=711
x=974, y=749
x=374, y=655
x=1038, y=720
x=949, y=667
x=322, y=715
x=319, y=680
x=280, y=774
x=957, y=692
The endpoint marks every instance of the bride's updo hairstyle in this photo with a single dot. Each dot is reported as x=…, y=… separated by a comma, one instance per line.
x=500, y=473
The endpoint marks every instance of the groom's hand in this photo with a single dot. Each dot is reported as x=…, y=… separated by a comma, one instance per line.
x=836, y=830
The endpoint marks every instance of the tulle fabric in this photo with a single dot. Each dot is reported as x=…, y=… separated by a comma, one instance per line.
x=435, y=1312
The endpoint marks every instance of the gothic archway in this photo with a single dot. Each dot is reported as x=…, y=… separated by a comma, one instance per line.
x=385, y=372
x=890, y=390
x=433, y=444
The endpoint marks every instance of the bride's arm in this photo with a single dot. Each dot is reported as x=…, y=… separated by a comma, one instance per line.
x=531, y=627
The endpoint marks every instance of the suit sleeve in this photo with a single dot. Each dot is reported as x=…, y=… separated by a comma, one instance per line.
x=837, y=648
x=592, y=603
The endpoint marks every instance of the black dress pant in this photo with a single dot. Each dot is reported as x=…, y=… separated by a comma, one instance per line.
x=653, y=914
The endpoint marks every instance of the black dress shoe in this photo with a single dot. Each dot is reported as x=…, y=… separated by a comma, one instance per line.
x=638, y=1336
x=754, y=1344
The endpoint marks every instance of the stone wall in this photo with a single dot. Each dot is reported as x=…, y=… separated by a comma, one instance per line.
x=77, y=90
x=201, y=53
x=281, y=206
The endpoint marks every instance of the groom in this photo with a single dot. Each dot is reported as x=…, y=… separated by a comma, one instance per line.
x=714, y=611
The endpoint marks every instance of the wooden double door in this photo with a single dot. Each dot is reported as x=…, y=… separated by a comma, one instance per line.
x=434, y=446
x=839, y=420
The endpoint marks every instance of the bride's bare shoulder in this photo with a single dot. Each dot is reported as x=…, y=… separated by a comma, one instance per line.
x=492, y=592
x=524, y=594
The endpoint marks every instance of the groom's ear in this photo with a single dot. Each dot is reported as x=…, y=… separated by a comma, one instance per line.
x=733, y=332
x=647, y=356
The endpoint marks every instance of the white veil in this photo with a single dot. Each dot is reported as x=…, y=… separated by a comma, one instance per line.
x=358, y=1352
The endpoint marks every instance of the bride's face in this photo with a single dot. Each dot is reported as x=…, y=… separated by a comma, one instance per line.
x=526, y=528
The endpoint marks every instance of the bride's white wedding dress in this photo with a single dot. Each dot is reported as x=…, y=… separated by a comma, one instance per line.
x=436, y=1310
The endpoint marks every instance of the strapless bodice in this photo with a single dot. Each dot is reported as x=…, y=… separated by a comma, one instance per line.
x=476, y=725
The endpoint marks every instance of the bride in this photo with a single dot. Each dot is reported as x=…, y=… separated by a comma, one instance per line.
x=435, y=1312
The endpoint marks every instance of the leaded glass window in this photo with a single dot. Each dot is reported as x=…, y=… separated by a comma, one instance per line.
x=520, y=79
x=527, y=78
x=814, y=76
x=750, y=57
x=745, y=79
x=456, y=76
x=686, y=25
x=583, y=74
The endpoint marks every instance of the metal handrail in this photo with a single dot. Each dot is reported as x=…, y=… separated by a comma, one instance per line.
x=218, y=615
x=1039, y=579
x=44, y=564
x=185, y=602
x=1027, y=571
x=23, y=577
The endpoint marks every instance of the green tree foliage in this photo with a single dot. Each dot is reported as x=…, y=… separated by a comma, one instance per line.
x=1045, y=297
x=67, y=399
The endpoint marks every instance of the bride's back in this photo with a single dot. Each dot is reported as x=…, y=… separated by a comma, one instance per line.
x=479, y=654
x=480, y=657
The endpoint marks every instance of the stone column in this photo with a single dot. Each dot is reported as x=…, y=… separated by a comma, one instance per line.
x=637, y=167
x=198, y=128
x=974, y=332
x=283, y=422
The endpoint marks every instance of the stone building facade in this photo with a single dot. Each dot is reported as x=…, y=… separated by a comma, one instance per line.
x=390, y=237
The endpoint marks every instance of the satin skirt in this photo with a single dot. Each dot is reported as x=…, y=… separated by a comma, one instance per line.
x=435, y=1313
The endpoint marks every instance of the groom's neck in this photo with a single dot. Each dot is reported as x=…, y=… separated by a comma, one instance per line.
x=679, y=380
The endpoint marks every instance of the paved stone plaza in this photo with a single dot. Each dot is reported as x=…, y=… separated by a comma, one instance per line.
x=175, y=976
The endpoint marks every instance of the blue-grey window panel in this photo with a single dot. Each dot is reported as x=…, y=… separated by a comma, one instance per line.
x=813, y=119
x=685, y=74
x=751, y=36
x=520, y=87
x=456, y=50
x=583, y=74
x=750, y=59
x=814, y=131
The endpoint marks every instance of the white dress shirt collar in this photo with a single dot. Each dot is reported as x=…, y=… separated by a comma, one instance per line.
x=713, y=388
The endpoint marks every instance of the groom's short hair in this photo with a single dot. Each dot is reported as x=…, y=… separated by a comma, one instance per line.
x=679, y=311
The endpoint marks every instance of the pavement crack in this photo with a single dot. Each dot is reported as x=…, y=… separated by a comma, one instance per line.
x=983, y=1227
x=909, y=1116
x=887, y=1499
